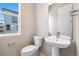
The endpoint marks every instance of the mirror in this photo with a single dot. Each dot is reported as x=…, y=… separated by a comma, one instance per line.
x=9, y=19
x=59, y=19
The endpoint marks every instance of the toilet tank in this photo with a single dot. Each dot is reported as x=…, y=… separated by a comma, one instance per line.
x=38, y=41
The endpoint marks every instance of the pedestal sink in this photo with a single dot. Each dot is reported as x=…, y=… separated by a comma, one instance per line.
x=61, y=42
x=58, y=42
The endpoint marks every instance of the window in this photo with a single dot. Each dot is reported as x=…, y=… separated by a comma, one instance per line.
x=9, y=21
x=8, y=27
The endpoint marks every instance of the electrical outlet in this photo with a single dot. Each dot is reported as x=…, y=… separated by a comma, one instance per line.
x=11, y=44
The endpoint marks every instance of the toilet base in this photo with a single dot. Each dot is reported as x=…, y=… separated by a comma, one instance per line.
x=31, y=54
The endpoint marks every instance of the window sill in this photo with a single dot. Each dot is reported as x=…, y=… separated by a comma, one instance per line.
x=13, y=34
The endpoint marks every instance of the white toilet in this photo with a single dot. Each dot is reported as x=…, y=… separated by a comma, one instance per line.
x=32, y=50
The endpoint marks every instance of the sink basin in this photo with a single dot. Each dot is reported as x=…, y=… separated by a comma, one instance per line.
x=61, y=42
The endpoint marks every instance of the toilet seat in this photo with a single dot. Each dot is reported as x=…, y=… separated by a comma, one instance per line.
x=29, y=49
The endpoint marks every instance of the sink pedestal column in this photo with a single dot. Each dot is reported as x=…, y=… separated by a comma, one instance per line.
x=55, y=51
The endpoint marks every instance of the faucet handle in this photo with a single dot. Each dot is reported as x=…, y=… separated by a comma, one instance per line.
x=49, y=34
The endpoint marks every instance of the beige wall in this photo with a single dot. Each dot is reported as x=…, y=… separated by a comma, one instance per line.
x=28, y=31
x=42, y=19
x=42, y=25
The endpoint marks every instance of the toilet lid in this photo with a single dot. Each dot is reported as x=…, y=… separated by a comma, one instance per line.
x=28, y=48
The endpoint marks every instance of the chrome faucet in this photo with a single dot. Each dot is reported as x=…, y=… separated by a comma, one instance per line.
x=58, y=34
x=49, y=34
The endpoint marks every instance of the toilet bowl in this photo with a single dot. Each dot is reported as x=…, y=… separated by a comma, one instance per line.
x=32, y=50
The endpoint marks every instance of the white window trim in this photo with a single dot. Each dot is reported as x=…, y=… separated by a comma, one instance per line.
x=19, y=25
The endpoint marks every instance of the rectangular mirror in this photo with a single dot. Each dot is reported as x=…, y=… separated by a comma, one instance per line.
x=60, y=19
